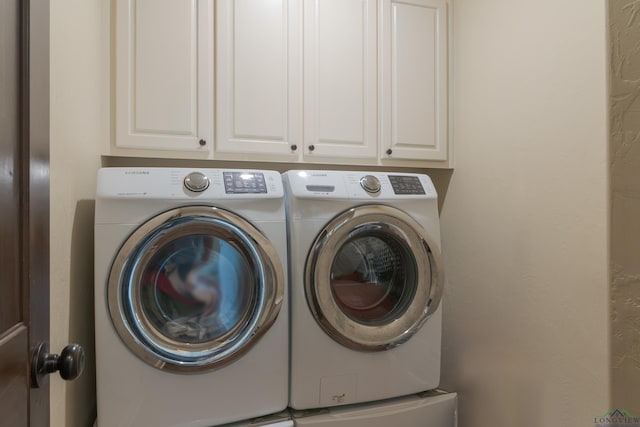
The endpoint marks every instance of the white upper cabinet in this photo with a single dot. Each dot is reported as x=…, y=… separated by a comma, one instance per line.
x=350, y=82
x=414, y=117
x=340, y=79
x=164, y=81
x=258, y=79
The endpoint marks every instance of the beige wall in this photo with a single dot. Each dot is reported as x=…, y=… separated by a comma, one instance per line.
x=79, y=125
x=624, y=74
x=524, y=223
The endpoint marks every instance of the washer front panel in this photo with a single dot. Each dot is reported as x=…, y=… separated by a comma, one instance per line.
x=194, y=288
x=373, y=277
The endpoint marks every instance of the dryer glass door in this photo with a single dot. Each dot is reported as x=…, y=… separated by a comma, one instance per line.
x=373, y=277
x=194, y=288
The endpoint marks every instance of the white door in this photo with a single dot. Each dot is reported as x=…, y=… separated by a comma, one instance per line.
x=194, y=288
x=373, y=277
x=257, y=75
x=340, y=79
x=164, y=81
x=414, y=80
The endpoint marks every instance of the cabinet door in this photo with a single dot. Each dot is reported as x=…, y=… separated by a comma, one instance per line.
x=164, y=51
x=258, y=79
x=414, y=76
x=340, y=79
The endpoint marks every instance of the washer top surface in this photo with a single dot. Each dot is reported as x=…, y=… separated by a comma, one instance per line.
x=132, y=195
x=359, y=185
x=193, y=184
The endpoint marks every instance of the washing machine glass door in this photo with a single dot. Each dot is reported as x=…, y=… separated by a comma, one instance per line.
x=373, y=277
x=194, y=288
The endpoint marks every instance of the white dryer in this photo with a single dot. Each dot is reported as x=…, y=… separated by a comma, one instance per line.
x=420, y=410
x=366, y=280
x=190, y=296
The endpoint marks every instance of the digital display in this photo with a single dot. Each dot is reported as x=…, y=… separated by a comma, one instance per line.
x=402, y=184
x=244, y=182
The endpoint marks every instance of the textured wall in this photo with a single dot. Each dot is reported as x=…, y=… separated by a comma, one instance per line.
x=524, y=222
x=624, y=72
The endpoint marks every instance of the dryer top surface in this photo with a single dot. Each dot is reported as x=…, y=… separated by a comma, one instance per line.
x=359, y=186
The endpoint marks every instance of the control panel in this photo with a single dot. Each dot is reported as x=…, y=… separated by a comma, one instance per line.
x=404, y=184
x=244, y=182
x=187, y=183
x=360, y=185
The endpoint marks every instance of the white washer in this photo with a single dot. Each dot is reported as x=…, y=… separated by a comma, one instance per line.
x=424, y=410
x=365, y=285
x=190, y=301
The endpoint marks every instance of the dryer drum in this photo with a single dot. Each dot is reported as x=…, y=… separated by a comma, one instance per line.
x=373, y=277
x=194, y=288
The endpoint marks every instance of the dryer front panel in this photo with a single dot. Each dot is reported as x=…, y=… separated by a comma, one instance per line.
x=373, y=277
x=194, y=288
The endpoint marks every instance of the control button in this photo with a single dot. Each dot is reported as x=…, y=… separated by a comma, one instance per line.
x=370, y=183
x=196, y=182
x=406, y=185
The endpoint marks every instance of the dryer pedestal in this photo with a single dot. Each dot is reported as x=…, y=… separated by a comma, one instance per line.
x=422, y=410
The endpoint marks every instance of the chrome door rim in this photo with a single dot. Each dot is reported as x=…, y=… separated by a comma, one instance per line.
x=155, y=348
x=340, y=327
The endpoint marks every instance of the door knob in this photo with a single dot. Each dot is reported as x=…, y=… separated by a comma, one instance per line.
x=70, y=363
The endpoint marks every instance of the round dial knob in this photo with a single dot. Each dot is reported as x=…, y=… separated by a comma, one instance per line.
x=370, y=183
x=196, y=181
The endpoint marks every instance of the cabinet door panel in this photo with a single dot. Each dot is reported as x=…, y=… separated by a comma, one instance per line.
x=340, y=78
x=169, y=110
x=256, y=77
x=163, y=74
x=414, y=101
